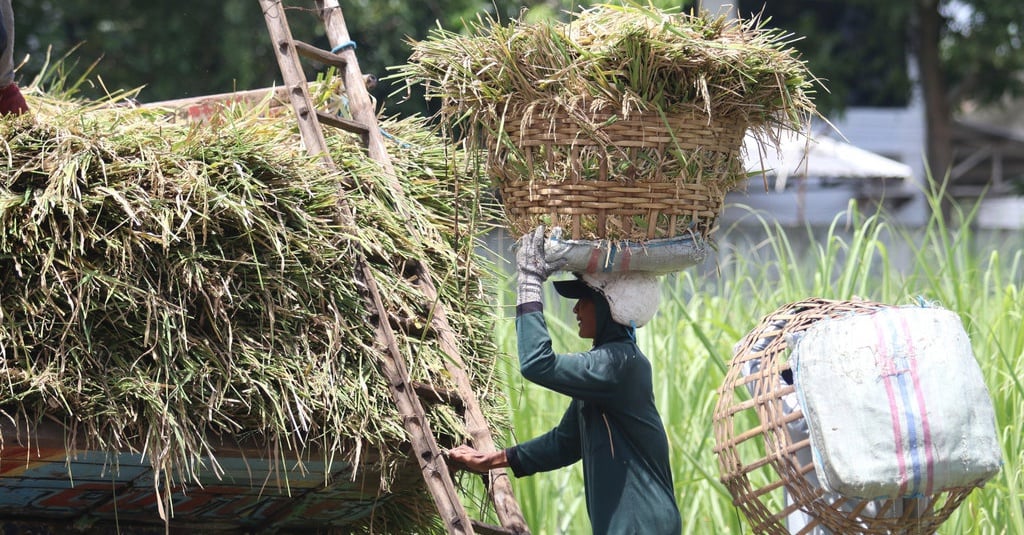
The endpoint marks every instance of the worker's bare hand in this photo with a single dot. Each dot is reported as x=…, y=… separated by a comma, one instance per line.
x=468, y=458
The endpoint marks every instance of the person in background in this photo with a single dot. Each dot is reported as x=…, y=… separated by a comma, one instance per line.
x=611, y=424
x=11, y=100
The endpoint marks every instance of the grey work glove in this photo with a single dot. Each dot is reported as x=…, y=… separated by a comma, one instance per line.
x=532, y=267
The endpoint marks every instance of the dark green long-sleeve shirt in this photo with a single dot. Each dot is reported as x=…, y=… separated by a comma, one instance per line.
x=6, y=43
x=612, y=425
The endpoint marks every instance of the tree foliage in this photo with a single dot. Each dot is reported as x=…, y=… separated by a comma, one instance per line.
x=860, y=53
x=983, y=51
x=174, y=49
x=864, y=49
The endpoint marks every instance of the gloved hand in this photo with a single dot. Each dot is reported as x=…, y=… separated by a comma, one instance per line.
x=11, y=101
x=532, y=267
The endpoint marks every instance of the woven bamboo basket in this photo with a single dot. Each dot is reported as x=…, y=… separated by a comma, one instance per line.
x=757, y=457
x=602, y=175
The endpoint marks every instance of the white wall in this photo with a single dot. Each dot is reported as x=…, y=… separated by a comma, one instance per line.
x=897, y=133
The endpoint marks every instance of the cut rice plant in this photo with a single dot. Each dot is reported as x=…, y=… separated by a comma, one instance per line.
x=167, y=287
x=620, y=95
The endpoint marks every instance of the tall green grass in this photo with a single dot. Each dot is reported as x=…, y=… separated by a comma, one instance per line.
x=706, y=310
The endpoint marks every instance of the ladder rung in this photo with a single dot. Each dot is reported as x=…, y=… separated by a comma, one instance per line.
x=309, y=51
x=342, y=123
x=489, y=529
x=431, y=394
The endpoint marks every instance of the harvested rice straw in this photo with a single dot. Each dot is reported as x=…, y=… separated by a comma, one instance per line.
x=630, y=57
x=162, y=285
x=555, y=102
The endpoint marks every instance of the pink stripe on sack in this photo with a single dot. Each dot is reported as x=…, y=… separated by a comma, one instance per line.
x=888, y=371
x=595, y=257
x=922, y=409
x=624, y=259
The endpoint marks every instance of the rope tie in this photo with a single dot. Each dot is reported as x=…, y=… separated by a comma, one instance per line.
x=344, y=46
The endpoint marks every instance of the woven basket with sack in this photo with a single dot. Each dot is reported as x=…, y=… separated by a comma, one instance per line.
x=867, y=418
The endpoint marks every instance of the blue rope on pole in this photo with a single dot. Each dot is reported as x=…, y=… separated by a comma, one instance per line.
x=343, y=46
x=402, y=144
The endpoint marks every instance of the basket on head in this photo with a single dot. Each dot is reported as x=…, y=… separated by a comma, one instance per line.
x=760, y=452
x=602, y=174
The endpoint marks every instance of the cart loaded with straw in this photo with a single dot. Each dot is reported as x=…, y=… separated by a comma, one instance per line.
x=619, y=129
x=184, y=343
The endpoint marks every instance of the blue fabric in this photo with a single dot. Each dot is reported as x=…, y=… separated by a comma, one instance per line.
x=611, y=425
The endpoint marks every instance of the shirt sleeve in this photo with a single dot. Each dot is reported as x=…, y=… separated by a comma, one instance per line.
x=594, y=375
x=6, y=43
x=3, y=36
x=557, y=448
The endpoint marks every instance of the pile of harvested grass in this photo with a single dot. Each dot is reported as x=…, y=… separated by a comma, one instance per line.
x=163, y=286
x=619, y=93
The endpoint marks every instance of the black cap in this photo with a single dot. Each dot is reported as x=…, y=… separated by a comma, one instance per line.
x=573, y=288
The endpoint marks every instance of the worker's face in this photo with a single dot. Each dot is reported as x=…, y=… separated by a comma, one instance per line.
x=586, y=317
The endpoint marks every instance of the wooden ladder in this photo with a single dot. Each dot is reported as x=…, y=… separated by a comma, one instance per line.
x=406, y=395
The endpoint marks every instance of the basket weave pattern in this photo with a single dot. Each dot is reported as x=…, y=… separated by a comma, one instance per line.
x=639, y=177
x=739, y=443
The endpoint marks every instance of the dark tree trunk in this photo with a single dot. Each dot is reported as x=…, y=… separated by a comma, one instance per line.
x=938, y=115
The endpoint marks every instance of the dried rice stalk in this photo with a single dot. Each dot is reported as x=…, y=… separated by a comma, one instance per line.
x=162, y=285
x=555, y=102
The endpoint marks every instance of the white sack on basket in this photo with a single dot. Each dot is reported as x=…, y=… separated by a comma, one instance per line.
x=633, y=298
x=895, y=403
x=665, y=255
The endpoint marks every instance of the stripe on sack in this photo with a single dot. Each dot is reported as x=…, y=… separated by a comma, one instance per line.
x=922, y=410
x=884, y=362
x=901, y=369
x=595, y=257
